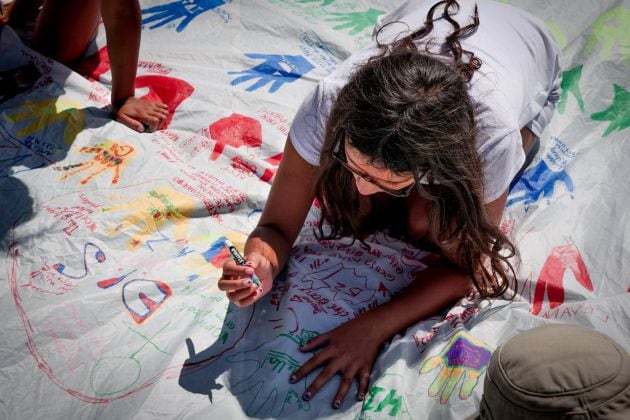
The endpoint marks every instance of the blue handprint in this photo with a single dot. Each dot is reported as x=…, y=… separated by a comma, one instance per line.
x=536, y=181
x=187, y=9
x=276, y=69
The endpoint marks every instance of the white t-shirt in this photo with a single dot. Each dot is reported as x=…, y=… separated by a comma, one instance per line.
x=517, y=85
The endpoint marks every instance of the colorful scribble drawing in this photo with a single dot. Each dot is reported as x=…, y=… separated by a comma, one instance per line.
x=236, y=131
x=56, y=280
x=536, y=182
x=550, y=279
x=276, y=69
x=99, y=257
x=357, y=21
x=187, y=10
x=108, y=156
x=571, y=85
x=463, y=360
x=150, y=212
x=610, y=30
x=382, y=399
x=618, y=113
x=40, y=114
x=127, y=369
x=268, y=366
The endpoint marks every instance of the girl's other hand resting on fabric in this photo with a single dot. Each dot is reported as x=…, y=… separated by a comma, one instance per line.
x=141, y=115
x=348, y=350
x=237, y=282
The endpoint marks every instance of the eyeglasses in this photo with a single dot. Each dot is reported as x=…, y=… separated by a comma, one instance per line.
x=402, y=192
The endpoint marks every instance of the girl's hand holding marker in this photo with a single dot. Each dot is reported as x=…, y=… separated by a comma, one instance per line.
x=239, y=278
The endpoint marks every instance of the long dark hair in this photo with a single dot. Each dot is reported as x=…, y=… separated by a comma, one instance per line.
x=411, y=113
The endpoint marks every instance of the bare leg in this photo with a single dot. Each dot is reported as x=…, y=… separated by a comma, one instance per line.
x=65, y=28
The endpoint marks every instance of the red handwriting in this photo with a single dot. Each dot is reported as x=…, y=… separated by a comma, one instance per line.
x=571, y=311
x=73, y=217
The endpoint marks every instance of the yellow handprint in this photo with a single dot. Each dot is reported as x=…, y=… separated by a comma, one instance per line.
x=43, y=113
x=463, y=357
x=109, y=156
x=150, y=211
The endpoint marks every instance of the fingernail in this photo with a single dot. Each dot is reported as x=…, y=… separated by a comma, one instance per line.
x=249, y=271
x=247, y=282
x=307, y=396
x=361, y=397
x=336, y=404
x=292, y=378
x=140, y=129
x=260, y=290
x=249, y=263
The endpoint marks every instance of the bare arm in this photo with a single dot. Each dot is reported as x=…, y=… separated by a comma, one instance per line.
x=352, y=348
x=122, y=26
x=269, y=245
x=122, y=19
x=286, y=208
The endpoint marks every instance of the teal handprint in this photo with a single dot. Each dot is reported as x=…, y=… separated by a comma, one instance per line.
x=618, y=113
x=357, y=20
x=324, y=3
x=610, y=28
x=571, y=84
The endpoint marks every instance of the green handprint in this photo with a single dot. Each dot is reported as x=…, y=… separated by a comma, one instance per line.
x=610, y=28
x=463, y=357
x=555, y=29
x=324, y=3
x=571, y=84
x=358, y=20
x=618, y=113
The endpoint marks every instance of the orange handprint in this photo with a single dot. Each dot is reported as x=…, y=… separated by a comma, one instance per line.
x=109, y=156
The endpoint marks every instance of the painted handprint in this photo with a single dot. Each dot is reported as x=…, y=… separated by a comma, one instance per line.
x=108, y=156
x=277, y=69
x=550, y=279
x=42, y=114
x=463, y=360
x=236, y=131
x=618, y=113
x=323, y=3
x=535, y=182
x=611, y=29
x=357, y=21
x=267, y=387
x=186, y=10
x=571, y=84
x=149, y=212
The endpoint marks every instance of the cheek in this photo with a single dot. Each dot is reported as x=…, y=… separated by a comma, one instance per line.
x=364, y=187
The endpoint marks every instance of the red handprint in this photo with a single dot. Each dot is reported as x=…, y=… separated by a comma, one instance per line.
x=236, y=130
x=167, y=90
x=551, y=275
